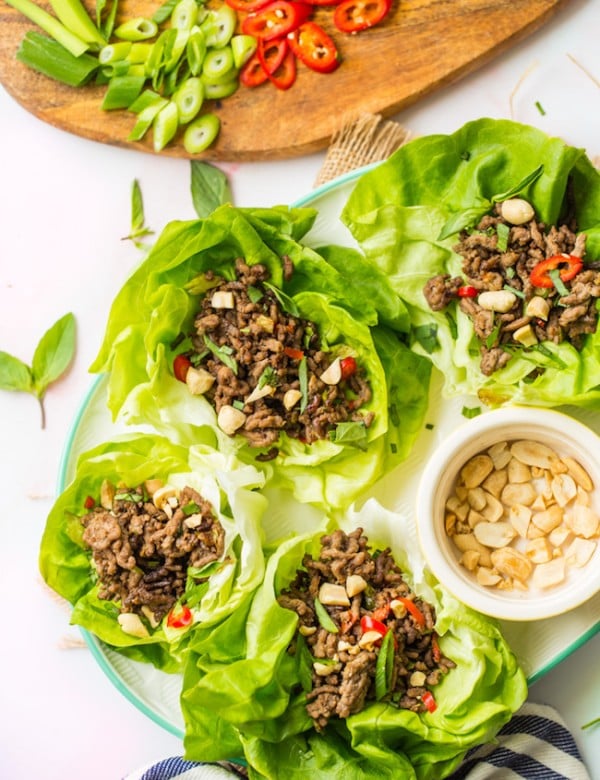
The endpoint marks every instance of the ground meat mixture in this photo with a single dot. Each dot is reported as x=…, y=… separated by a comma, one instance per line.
x=267, y=364
x=142, y=548
x=344, y=645
x=566, y=312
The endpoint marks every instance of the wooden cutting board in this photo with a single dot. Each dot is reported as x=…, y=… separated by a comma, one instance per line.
x=421, y=46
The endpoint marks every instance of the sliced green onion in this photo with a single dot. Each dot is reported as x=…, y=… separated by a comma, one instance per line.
x=138, y=29
x=139, y=52
x=471, y=411
x=243, y=47
x=219, y=26
x=554, y=274
x=165, y=126
x=185, y=15
x=201, y=133
x=303, y=379
x=196, y=51
x=122, y=91
x=176, y=49
x=53, y=60
x=218, y=64
x=324, y=618
x=114, y=52
x=76, y=19
x=49, y=24
x=384, y=666
x=189, y=98
x=164, y=12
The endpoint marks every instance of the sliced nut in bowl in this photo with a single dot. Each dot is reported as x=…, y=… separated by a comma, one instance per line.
x=508, y=513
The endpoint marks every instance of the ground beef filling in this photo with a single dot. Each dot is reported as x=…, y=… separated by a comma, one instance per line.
x=488, y=266
x=344, y=661
x=141, y=553
x=255, y=343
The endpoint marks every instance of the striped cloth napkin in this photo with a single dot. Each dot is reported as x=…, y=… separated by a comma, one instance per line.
x=535, y=744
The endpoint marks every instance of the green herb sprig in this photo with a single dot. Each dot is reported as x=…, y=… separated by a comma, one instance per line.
x=51, y=359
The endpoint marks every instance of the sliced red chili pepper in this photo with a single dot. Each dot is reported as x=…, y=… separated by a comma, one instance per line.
x=381, y=613
x=416, y=613
x=252, y=74
x=369, y=623
x=467, y=291
x=355, y=15
x=429, y=701
x=247, y=6
x=323, y=2
x=271, y=53
x=181, y=364
x=292, y=352
x=285, y=75
x=436, y=653
x=89, y=503
x=311, y=44
x=348, y=366
x=180, y=616
x=276, y=19
x=569, y=266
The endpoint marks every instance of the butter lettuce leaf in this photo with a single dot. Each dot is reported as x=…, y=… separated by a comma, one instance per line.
x=399, y=210
x=65, y=561
x=159, y=302
x=243, y=696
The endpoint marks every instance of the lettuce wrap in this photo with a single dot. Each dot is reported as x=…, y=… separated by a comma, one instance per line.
x=158, y=304
x=224, y=585
x=243, y=694
x=406, y=215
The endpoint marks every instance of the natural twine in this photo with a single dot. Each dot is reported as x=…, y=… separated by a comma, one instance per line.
x=360, y=141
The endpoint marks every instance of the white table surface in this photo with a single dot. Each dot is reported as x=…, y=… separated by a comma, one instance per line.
x=64, y=206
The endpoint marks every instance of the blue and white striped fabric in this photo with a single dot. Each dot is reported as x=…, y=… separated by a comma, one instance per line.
x=535, y=744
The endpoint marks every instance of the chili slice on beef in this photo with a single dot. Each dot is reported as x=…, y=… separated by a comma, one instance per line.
x=365, y=597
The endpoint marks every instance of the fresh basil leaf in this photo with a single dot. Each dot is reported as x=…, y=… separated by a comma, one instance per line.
x=254, y=294
x=223, y=353
x=190, y=508
x=426, y=335
x=350, y=433
x=268, y=377
x=286, y=303
x=137, y=207
x=210, y=188
x=138, y=228
x=14, y=374
x=304, y=661
x=503, y=232
x=202, y=283
x=463, y=219
x=518, y=188
x=54, y=353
